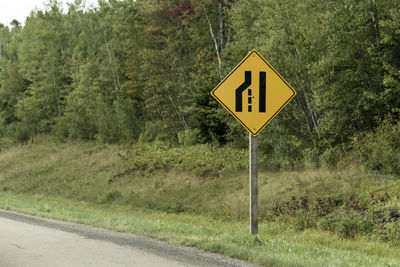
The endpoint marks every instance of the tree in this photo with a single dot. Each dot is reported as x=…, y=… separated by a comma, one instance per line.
x=11, y=90
x=390, y=42
x=42, y=59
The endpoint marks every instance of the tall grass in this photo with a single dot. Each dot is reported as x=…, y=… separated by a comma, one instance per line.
x=276, y=245
x=206, y=180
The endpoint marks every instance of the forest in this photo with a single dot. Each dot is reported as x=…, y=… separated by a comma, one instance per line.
x=142, y=71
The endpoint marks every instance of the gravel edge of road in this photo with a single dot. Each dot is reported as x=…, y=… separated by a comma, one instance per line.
x=188, y=255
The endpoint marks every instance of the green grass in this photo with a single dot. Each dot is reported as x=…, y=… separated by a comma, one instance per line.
x=192, y=180
x=198, y=196
x=276, y=244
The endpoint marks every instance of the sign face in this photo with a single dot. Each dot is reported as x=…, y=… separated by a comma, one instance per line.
x=253, y=92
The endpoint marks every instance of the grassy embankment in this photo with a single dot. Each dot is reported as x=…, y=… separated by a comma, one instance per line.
x=198, y=196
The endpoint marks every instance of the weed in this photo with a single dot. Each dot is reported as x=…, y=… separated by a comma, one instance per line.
x=111, y=196
x=177, y=206
x=205, y=180
x=276, y=244
x=380, y=150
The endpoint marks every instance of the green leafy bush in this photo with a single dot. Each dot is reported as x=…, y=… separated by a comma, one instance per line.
x=202, y=160
x=189, y=137
x=5, y=143
x=156, y=131
x=330, y=157
x=19, y=132
x=111, y=196
x=350, y=223
x=311, y=157
x=380, y=150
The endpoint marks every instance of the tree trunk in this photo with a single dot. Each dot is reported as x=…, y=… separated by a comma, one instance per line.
x=314, y=118
x=221, y=25
x=185, y=125
x=305, y=116
x=376, y=23
x=215, y=43
x=57, y=96
x=114, y=70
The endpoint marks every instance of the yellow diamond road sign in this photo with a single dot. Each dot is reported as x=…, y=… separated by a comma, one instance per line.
x=253, y=92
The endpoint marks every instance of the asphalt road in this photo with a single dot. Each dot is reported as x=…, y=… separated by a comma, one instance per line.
x=32, y=241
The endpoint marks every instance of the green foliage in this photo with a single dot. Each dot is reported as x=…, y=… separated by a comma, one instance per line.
x=207, y=181
x=12, y=86
x=275, y=245
x=349, y=216
x=153, y=131
x=19, y=132
x=131, y=71
x=390, y=59
x=333, y=58
x=189, y=137
x=6, y=143
x=351, y=223
x=311, y=157
x=330, y=157
x=42, y=60
x=380, y=149
x=202, y=160
x=111, y=196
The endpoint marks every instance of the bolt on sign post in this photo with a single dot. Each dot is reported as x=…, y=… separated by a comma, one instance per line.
x=254, y=93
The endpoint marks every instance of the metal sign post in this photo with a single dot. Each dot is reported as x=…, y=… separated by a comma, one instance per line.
x=253, y=175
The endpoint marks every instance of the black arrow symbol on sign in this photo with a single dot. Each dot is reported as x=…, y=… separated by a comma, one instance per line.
x=240, y=89
x=247, y=82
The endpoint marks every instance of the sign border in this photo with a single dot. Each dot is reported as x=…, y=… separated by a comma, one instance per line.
x=232, y=113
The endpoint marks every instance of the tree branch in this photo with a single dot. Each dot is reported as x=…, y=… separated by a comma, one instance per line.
x=215, y=43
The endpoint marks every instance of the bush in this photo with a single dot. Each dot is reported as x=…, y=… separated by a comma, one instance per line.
x=311, y=157
x=380, y=150
x=74, y=126
x=350, y=223
x=201, y=160
x=189, y=137
x=330, y=157
x=111, y=196
x=19, y=132
x=5, y=143
x=304, y=220
x=156, y=131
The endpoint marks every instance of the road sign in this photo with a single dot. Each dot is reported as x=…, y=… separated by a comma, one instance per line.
x=253, y=92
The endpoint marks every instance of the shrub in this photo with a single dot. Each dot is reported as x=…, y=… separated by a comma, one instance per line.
x=330, y=157
x=380, y=150
x=350, y=223
x=189, y=137
x=19, y=132
x=311, y=157
x=202, y=160
x=156, y=131
x=304, y=220
x=5, y=143
x=111, y=196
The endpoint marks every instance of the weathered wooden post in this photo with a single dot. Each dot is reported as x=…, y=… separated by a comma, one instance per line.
x=253, y=174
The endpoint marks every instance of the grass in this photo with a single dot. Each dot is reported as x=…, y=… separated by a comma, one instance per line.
x=198, y=196
x=191, y=180
x=276, y=244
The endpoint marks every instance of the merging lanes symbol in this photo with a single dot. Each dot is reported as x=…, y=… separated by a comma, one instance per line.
x=247, y=82
x=267, y=92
